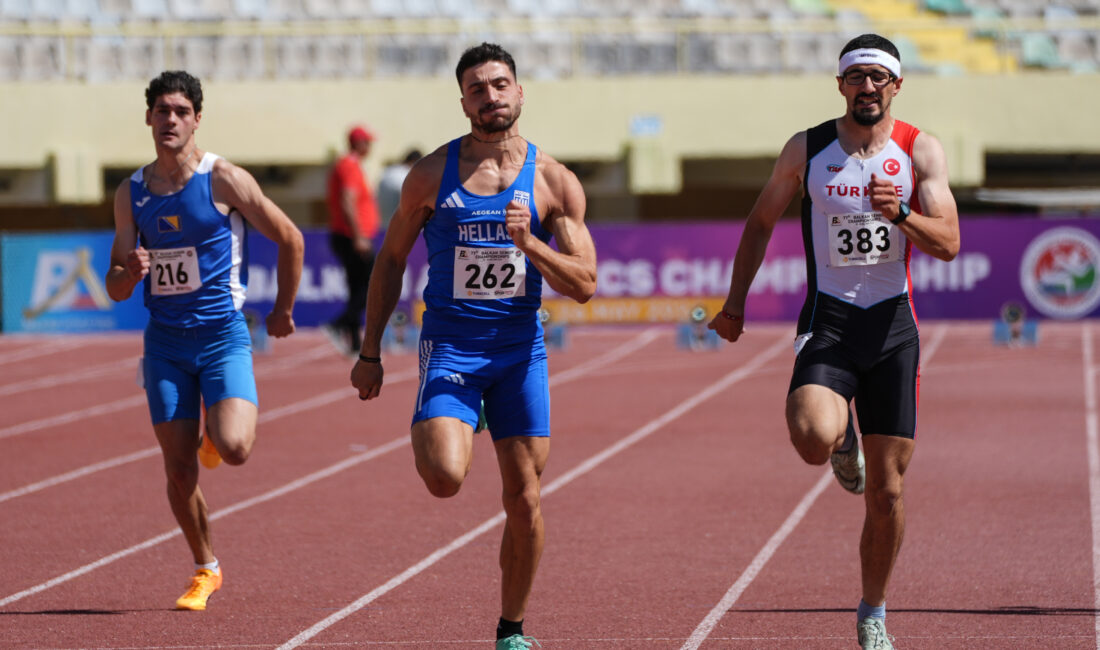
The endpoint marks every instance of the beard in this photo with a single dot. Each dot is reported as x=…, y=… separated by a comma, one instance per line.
x=497, y=123
x=864, y=118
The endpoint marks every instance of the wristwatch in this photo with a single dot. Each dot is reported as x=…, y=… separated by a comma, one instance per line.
x=903, y=213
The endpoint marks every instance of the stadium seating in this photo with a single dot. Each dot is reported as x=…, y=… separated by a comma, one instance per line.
x=275, y=39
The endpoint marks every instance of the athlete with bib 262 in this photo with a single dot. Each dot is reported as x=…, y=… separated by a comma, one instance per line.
x=180, y=230
x=872, y=187
x=487, y=203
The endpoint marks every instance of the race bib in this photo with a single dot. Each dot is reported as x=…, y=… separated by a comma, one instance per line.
x=489, y=273
x=173, y=271
x=861, y=239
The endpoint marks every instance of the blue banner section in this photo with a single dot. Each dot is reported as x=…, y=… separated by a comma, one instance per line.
x=54, y=283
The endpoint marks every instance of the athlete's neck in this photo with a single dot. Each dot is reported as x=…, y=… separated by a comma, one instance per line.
x=171, y=170
x=864, y=141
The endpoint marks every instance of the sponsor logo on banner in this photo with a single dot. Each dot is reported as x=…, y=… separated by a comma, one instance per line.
x=1058, y=273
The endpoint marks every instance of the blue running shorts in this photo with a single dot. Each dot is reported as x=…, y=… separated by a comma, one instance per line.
x=455, y=375
x=214, y=361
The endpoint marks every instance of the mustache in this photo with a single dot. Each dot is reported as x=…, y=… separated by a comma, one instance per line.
x=492, y=107
x=871, y=96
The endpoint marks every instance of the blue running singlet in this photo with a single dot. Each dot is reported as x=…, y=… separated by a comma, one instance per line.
x=198, y=257
x=477, y=277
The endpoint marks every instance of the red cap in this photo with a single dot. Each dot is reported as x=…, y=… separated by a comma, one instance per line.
x=360, y=134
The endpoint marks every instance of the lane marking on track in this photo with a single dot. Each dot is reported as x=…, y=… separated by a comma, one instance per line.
x=133, y=401
x=1092, y=437
x=707, y=625
x=247, y=503
x=588, y=465
x=68, y=377
x=47, y=347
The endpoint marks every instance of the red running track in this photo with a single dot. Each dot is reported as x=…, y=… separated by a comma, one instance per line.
x=678, y=515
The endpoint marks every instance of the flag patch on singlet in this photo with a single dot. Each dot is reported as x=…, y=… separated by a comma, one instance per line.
x=168, y=223
x=522, y=198
x=453, y=201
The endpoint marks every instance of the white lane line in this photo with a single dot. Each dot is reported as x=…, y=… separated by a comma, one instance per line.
x=1093, y=439
x=749, y=574
x=585, y=467
x=241, y=505
x=133, y=400
x=706, y=626
x=635, y=344
x=73, y=416
x=69, y=377
x=47, y=347
x=78, y=473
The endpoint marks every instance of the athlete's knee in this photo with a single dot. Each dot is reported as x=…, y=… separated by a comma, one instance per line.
x=182, y=476
x=441, y=482
x=522, y=506
x=810, y=445
x=883, y=499
x=237, y=452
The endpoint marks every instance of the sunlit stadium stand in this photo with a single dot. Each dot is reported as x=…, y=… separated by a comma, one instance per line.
x=633, y=93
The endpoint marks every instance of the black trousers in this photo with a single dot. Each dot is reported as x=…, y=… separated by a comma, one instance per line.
x=357, y=268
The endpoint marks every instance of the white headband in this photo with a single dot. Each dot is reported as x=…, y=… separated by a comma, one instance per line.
x=868, y=56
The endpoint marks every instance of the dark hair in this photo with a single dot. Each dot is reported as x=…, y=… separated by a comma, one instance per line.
x=483, y=54
x=412, y=156
x=871, y=42
x=175, y=81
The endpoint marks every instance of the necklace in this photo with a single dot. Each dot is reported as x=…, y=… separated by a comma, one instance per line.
x=167, y=180
x=502, y=140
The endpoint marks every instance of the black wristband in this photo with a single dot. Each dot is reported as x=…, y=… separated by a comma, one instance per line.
x=367, y=359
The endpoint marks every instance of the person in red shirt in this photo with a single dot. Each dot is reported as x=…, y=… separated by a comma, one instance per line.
x=353, y=222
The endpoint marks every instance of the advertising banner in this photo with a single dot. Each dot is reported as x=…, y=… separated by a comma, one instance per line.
x=647, y=273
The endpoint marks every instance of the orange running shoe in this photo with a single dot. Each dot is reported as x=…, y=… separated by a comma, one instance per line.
x=204, y=583
x=208, y=453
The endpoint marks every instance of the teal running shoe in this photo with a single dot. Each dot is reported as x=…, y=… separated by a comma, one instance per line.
x=517, y=642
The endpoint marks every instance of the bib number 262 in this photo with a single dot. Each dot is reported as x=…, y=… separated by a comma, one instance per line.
x=489, y=273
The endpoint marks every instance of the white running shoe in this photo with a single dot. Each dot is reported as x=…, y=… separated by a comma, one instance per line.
x=849, y=469
x=872, y=634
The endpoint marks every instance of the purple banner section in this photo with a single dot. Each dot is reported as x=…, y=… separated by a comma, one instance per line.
x=1048, y=266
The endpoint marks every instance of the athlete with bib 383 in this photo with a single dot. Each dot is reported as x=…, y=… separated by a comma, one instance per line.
x=872, y=188
x=487, y=203
x=180, y=231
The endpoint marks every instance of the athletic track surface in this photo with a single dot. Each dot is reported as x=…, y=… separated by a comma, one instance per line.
x=677, y=513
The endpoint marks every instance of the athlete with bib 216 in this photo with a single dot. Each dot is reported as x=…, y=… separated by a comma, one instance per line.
x=872, y=187
x=180, y=230
x=487, y=203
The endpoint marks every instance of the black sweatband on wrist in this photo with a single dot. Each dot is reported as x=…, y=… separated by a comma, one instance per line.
x=367, y=359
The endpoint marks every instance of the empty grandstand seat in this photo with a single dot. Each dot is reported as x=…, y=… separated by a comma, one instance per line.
x=1039, y=50
x=950, y=7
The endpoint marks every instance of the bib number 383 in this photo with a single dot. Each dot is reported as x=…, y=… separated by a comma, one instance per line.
x=863, y=238
x=489, y=273
x=173, y=271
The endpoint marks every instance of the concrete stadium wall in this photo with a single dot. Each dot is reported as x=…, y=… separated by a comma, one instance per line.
x=77, y=130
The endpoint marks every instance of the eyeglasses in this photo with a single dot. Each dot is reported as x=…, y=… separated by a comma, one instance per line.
x=878, y=78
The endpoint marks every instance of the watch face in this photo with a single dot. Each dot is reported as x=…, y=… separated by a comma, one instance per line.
x=903, y=209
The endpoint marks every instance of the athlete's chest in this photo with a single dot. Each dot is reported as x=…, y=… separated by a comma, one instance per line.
x=838, y=181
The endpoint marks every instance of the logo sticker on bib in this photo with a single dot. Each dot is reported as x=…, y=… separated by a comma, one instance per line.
x=489, y=273
x=862, y=239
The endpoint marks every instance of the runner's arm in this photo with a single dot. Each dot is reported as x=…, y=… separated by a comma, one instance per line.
x=935, y=230
x=129, y=262
x=571, y=269
x=781, y=187
x=241, y=192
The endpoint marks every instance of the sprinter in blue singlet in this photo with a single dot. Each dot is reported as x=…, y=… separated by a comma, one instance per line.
x=180, y=226
x=487, y=203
